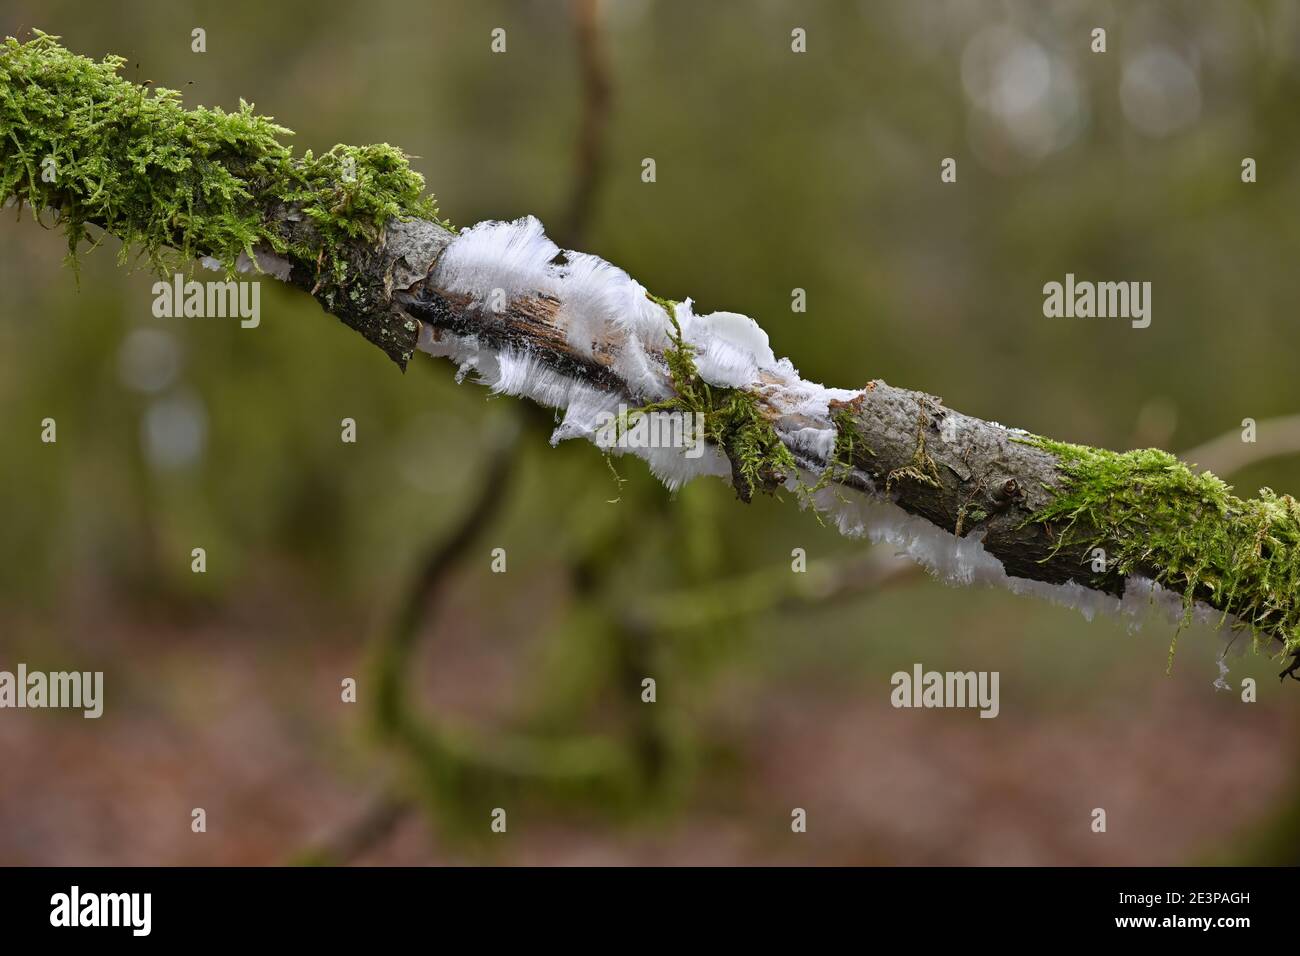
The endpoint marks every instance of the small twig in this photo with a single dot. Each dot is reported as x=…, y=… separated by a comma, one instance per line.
x=1291, y=670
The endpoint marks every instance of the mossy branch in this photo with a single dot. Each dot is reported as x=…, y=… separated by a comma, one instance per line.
x=174, y=184
x=360, y=234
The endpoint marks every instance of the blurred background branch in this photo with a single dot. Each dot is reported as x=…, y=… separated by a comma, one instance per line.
x=1229, y=453
x=591, y=148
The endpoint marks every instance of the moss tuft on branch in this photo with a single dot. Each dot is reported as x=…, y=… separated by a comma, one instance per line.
x=176, y=184
x=1159, y=517
x=733, y=420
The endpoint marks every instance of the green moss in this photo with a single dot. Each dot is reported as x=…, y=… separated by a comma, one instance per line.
x=848, y=439
x=921, y=468
x=733, y=421
x=1241, y=556
x=175, y=184
x=968, y=518
x=839, y=467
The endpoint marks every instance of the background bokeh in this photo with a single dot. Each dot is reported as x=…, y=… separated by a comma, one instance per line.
x=775, y=171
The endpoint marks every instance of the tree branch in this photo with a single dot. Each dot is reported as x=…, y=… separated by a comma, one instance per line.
x=974, y=500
